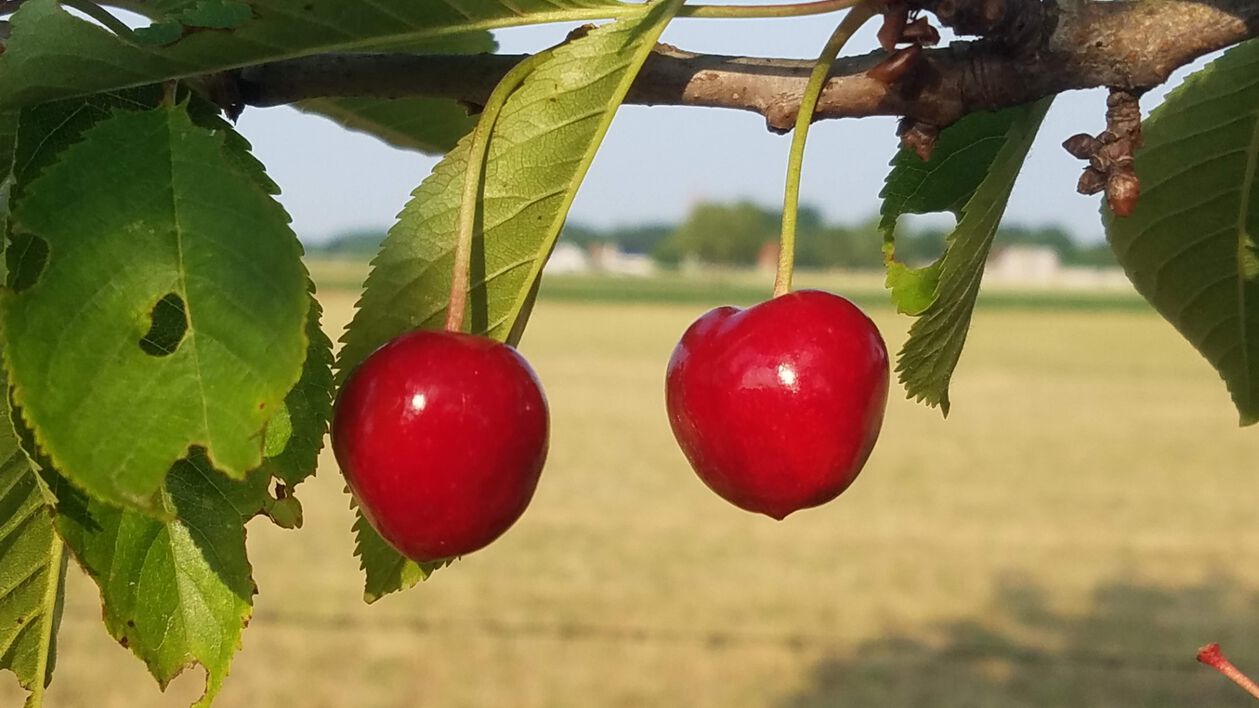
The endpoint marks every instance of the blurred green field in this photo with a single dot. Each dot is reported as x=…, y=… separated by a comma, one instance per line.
x=1081, y=523
x=746, y=287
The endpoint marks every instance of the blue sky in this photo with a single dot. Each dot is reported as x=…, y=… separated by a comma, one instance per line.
x=657, y=162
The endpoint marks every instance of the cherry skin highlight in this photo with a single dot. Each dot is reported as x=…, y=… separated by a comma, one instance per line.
x=778, y=406
x=441, y=437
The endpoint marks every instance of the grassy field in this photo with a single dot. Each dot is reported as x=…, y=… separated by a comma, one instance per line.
x=1082, y=522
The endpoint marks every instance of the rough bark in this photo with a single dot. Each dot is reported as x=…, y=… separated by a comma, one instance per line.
x=1031, y=50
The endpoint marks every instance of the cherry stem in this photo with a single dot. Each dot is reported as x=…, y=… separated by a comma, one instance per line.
x=804, y=119
x=795, y=9
x=478, y=153
x=1213, y=657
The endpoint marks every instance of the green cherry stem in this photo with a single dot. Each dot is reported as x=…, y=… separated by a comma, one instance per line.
x=804, y=119
x=478, y=153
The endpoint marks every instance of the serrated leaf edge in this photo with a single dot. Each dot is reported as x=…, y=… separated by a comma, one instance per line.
x=147, y=506
x=119, y=634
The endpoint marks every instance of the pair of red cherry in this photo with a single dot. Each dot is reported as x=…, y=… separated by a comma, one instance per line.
x=442, y=436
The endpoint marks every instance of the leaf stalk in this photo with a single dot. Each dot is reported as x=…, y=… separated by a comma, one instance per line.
x=473, y=183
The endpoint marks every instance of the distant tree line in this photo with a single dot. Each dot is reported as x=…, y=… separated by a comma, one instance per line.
x=734, y=234
x=359, y=243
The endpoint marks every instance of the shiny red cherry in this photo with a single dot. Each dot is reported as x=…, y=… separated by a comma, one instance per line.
x=778, y=406
x=442, y=437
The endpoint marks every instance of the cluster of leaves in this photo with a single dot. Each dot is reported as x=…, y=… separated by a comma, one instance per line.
x=162, y=347
x=1190, y=247
x=164, y=362
x=163, y=359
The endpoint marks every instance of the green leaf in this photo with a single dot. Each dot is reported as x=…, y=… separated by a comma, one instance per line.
x=203, y=15
x=384, y=569
x=53, y=54
x=427, y=125
x=1191, y=247
x=32, y=568
x=9, y=123
x=285, y=512
x=295, y=434
x=971, y=173
x=32, y=556
x=179, y=591
x=279, y=432
x=542, y=145
x=44, y=131
x=147, y=207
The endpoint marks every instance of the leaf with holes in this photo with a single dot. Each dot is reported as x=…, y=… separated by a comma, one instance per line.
x=971, y=174
x=40, y=133
x=37, y=135
x=179, y=591
x=542, y=145
x=1191, y=247
x=52, y=54
x=32, y=568
x=170, y=310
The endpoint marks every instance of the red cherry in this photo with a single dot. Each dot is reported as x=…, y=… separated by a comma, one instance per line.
x=778, y=406
x=442, y=437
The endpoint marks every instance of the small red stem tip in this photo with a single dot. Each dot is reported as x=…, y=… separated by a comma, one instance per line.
x=1213, y=657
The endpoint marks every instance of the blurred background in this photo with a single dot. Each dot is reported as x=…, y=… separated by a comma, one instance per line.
x=1069, y=536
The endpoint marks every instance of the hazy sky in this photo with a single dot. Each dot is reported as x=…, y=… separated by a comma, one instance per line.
x=656, y=162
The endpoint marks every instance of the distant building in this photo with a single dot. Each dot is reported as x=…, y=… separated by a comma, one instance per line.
x=1040, y=267
x=1025, y=265
x=567, y=259
x=606, y=258
x=609, y=258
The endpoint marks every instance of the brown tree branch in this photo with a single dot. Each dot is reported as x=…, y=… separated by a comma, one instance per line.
x=1126, y=45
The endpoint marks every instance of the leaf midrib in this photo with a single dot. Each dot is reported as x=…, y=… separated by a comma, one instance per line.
x=164, y=541
x=47, y=609
x=43, y=617
x=190, y=336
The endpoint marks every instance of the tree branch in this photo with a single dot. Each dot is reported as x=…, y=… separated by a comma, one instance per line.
x=1127, y=45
